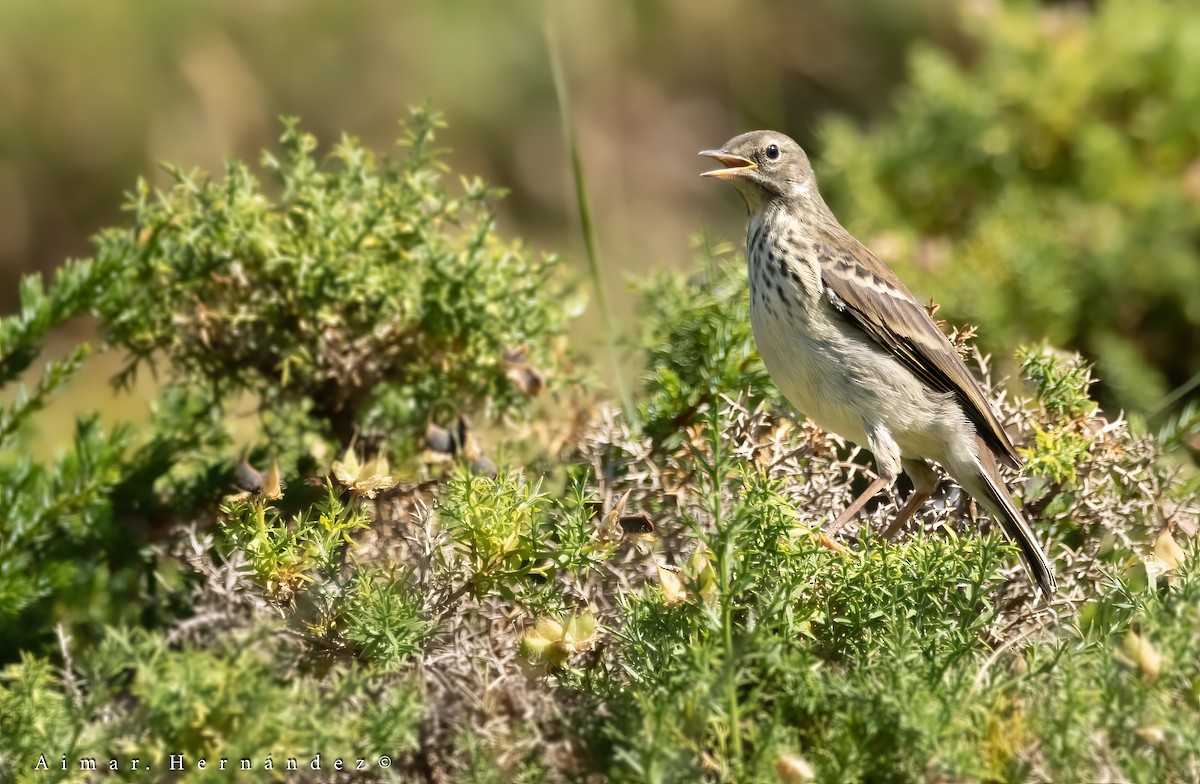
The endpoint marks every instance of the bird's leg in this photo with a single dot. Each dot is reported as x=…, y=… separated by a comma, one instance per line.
x=915, y=499
x=925, y=481
x=857, y=504
x=887, y=460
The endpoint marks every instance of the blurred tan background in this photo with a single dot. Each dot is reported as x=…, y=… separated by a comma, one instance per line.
x=95, y=94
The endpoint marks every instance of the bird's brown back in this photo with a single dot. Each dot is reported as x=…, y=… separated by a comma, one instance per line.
x=877, y=301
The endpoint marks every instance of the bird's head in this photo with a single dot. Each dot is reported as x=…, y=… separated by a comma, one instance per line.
x=763, y=166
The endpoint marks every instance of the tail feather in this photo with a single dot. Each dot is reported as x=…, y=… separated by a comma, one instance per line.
x=987, y=487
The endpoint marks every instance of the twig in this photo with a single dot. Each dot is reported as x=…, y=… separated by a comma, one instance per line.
x=68, y=670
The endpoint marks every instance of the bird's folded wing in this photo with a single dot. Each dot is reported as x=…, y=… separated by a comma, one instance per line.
x=868, y=292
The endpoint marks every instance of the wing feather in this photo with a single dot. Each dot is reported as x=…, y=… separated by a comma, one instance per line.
x=874, y=298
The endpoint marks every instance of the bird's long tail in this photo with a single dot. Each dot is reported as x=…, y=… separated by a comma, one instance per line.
x=987, y=487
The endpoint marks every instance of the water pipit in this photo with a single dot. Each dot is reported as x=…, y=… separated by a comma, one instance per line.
x=850, y=346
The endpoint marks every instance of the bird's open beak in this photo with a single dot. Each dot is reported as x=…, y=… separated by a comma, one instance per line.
x=734, y=164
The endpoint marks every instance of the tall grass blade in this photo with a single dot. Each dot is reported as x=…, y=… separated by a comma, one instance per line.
x=585, y=221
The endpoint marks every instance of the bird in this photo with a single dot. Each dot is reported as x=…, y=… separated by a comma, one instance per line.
x=851, y=347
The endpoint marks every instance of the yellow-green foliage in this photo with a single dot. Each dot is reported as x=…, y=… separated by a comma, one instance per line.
x=493, y=523
x=220, y=701
x=712, y=349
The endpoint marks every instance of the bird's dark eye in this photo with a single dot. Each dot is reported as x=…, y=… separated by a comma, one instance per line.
x=772, y=151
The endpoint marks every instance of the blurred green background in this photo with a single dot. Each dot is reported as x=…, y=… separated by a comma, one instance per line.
x=936, y=125
x=96, y=94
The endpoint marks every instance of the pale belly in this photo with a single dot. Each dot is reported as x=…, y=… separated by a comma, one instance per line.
x=845, y=384
x=812, y=374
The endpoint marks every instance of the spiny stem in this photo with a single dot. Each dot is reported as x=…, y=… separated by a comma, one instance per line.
x=725, y=560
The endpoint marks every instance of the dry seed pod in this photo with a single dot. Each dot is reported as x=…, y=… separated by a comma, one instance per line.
x=272, y=486
x=529, y=381
x=607, y=530
x=438, y=439
x=247, y=477
x=639, y=524
x=464, y=430
x=484, y=466
x=793, y=769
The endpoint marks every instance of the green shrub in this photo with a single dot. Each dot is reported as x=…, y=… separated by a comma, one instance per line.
x=712, y=349
x=349, y=298
x=352, y=301
x=143, y=696
x=360, y=289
